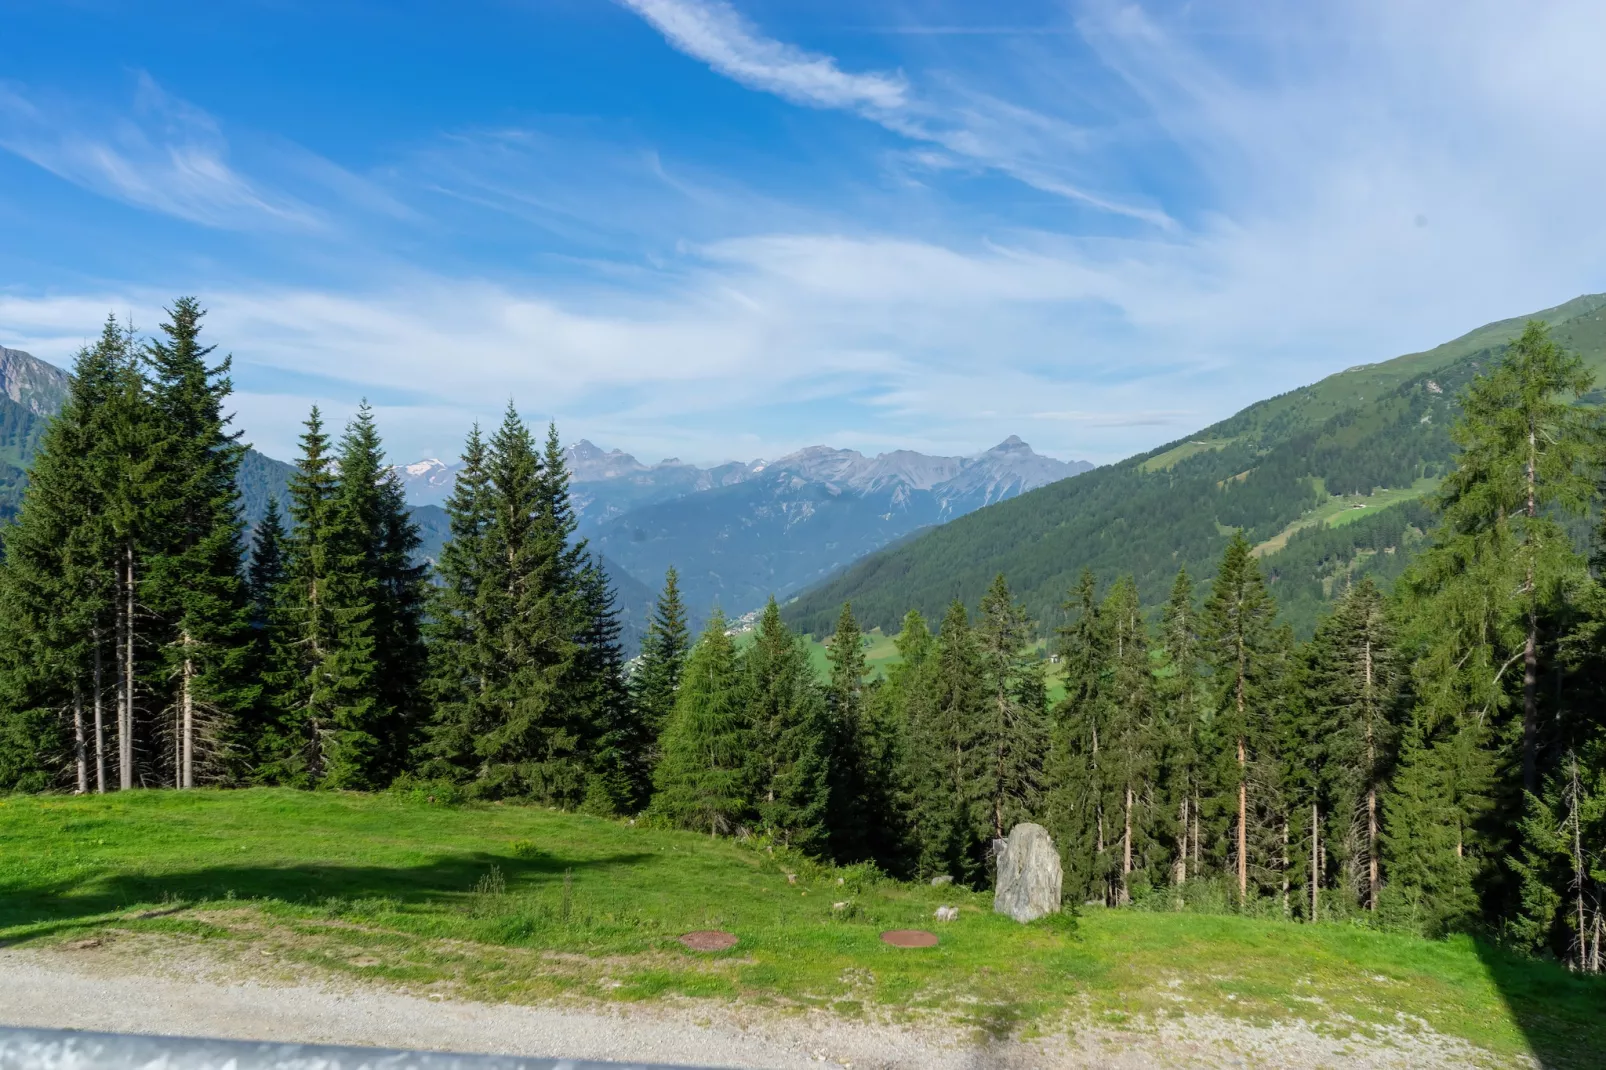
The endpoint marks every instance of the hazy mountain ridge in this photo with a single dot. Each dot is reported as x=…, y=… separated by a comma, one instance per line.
x=1274, y=469
x=738, y=532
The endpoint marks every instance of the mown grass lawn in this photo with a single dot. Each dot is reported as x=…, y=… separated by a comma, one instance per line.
x=525, y=904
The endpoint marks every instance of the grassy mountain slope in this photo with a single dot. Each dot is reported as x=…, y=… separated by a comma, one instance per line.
x=1370, y=434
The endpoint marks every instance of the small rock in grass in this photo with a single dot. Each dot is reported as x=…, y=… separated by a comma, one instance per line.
x=791, y=878
x=839, y=880
x=839, y=906
x=939, y=881
x=947, y=913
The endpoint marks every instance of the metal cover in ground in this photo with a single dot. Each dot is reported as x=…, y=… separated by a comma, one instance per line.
x=709, y=940
x=909, y=938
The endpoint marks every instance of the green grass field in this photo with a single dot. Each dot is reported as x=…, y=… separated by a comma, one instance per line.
x=519, y=903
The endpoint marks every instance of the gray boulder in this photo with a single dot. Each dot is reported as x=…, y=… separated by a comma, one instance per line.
x=1029, y=877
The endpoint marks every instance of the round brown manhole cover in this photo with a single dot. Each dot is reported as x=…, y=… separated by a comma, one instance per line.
x=709, y=940
x=909, y=938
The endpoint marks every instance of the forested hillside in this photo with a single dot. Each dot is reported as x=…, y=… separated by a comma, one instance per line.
x=1278, y=465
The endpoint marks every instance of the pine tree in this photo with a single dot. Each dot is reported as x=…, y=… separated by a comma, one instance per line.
x=656, y=680
x=1012, y=728
x=57, y=583
x=789, y=755
x=1180, y=713
x=1079, y=796
x=535, y=738
x=1352, y=686
x=459, y=632
x=700, y=782
x=310, y=674
x=1130, y=739
x=378, y=543
x=904, y=717
x=194, y=585
x=855, y=805
x=619, y=740
x=950, y=791
x=1239, y=642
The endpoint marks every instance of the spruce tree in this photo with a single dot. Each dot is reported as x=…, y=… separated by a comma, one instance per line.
x=1240, y=649
x=535, y=738
x=381, y=586
x=700, y=782
x=1352, y=687
x=194, y=586
x=1012, y=729
x=619, y=742
x=951, y=793
x=789, y=755
x=310, y=673
x=853, y=808
x=656, y=679
x=1130, y=740
x=57, y=582
x=1079, y=796
x=1180, y=710
x=461, y=636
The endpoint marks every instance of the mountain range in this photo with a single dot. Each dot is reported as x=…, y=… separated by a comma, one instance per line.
x=739, y=532
x=1327, y=480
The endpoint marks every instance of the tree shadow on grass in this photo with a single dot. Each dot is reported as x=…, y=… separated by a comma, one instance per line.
x=443, y=880
x=1562, y=1014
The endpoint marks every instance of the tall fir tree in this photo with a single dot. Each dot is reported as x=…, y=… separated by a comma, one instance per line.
x=459, y=632
x=58, y=580
x=1352, y=685
x=700, y=782
x=1080, y=780
x=656, y=679
x=789, y=755
x=1180, y=709
x=1240, y=649
x=1012, y=726
x=194, y=588
x=854, y=805
x=1130, y=740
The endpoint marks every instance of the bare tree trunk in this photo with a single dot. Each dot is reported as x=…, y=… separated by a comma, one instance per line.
x=100, y=721
x=1195, y=809
x=80, y=746
x=1286, y=910
x=1126, y=852
x=1371, y=789
x=125, y=740
x=1243, y=825
x=1315, y=853
x=188, y=769
x=1579, y=873
x=1179, y=872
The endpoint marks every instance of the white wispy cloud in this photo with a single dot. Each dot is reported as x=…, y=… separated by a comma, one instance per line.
x=714, y=32
x=1032, y=147
x=166, y=155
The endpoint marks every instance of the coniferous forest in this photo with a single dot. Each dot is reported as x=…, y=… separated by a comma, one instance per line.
x=1433, y=758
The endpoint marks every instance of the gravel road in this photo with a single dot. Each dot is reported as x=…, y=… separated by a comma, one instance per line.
x=144, y=991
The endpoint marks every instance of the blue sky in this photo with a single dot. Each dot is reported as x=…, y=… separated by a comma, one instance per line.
x=726, y=230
